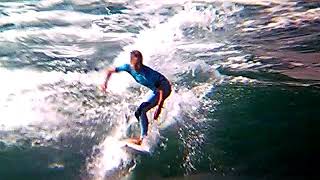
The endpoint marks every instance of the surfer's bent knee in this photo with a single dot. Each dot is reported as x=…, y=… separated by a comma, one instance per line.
x=141, y=109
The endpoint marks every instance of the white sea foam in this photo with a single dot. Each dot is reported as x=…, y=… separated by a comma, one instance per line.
x=22, y=103
x=53, y=17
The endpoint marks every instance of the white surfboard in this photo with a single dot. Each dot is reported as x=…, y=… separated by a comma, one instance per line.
x=136, y=149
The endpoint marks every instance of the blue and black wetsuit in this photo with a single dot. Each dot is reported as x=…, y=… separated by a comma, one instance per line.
x=153, y=80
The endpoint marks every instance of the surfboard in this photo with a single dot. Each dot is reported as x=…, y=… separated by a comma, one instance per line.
x=135, y=149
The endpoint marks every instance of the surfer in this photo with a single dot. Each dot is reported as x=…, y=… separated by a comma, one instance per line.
x=144, y=75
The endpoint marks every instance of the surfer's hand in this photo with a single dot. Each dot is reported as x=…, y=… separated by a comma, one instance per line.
x=157, y=113
x=103, y=87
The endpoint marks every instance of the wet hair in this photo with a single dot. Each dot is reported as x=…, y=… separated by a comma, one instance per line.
x=138, y=55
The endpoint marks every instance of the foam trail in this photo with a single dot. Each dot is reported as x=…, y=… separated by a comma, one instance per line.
x=111, y=161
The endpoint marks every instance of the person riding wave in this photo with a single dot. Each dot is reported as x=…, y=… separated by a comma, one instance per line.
x=155, y=81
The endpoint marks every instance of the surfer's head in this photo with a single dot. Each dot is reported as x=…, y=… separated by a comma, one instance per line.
x=136, y=60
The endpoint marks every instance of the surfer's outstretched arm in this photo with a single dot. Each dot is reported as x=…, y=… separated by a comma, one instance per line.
x=110, y=71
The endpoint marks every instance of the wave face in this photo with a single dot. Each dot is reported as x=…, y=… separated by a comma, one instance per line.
x=221, y=57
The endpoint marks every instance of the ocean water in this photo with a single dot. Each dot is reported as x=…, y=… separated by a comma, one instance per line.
x=246, y=93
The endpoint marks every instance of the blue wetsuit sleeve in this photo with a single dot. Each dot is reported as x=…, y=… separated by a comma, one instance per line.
x=125, y=67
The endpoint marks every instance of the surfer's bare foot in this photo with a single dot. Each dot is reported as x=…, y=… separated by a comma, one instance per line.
x=139, y=142
x=136, y=141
